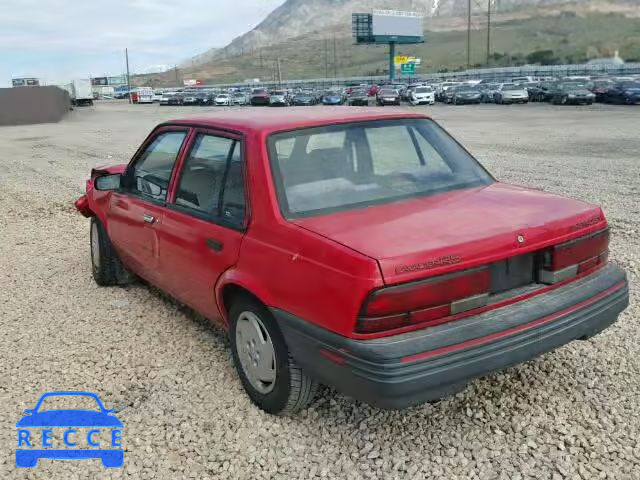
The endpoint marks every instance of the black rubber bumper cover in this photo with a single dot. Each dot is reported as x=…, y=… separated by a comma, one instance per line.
x=428, y=364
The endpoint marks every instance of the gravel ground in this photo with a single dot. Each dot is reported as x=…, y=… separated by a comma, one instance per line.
x=574, y=413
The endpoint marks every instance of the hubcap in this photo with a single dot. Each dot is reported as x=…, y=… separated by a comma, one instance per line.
x=255, y=352
x=95, y=245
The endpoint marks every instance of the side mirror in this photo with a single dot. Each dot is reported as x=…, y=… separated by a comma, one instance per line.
x=107, y=182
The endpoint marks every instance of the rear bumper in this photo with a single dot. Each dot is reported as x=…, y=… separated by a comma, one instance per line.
x=428, y=364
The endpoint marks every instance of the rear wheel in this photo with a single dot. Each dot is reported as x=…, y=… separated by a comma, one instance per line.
x=270, y=376
x=106, y=266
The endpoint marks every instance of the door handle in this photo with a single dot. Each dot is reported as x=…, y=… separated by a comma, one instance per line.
x=149, y=218
x=215, y=245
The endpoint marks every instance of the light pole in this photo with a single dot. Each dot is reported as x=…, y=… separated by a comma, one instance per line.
x=126, y=55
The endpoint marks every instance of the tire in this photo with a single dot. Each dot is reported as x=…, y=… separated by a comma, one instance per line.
x=106, y=266
x=292, y=389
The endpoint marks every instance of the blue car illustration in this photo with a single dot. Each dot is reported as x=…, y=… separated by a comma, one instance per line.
x=69, y=418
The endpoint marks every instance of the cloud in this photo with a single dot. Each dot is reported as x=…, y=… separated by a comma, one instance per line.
x=57, y=40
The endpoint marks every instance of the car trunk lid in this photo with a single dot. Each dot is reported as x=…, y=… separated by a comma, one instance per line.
x=499, y=225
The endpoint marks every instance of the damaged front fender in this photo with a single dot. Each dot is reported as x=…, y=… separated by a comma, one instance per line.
x=82, y=205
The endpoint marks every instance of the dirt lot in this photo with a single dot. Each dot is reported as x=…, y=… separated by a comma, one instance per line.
x=574, y=413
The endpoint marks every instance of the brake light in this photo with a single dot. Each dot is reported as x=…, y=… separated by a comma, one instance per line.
x=577, y=256
x=424, y=301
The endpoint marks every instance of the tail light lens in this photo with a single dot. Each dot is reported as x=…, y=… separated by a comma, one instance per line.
x=577, y=256
x=424, y=301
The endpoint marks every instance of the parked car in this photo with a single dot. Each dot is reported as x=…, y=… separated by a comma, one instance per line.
x=332, y=97
x=239, y=98
x=388, y=96
x=600, y=86
x=623, y=92
x=204, y=98
x=442, y=90
x=157, y=96
x=358, y=96
x=542, y=92
x=575, y=93
x=165, y=97
x=412, y=316
x=466, y=94
x=511, y=93
x=189, y=98
x=176, y=99
x=488, y=91
x=279, y=98
x=423, y=95
x=259, y=96
x=223, y=100
x=304, y=98
x=447, y=95
x=121, y=94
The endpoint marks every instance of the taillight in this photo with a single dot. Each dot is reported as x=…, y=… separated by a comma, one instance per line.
x=577, y=256
x=424, y=301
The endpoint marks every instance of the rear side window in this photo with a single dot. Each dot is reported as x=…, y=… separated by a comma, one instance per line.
x=152, y=172
x=211, y=182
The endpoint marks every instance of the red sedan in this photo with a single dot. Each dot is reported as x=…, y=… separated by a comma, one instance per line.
x=359, y=248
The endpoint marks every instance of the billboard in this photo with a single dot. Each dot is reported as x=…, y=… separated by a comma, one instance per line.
x=104, y=81
x=387, y=26
x=25, y=82
x=389, y=23
x=119, y=80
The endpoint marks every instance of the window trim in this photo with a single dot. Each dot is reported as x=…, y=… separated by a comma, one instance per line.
x=138, y=155
x=213, y=219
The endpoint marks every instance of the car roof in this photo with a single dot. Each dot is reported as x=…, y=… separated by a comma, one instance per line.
x=270, y=120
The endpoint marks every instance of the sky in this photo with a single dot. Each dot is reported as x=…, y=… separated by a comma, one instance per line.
x=58, y=40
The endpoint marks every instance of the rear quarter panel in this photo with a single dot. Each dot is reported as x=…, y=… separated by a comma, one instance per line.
x=291, y=268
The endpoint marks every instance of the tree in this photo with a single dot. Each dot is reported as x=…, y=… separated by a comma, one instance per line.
x=542, y=57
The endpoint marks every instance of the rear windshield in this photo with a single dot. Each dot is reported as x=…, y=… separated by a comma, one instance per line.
x=354, y=165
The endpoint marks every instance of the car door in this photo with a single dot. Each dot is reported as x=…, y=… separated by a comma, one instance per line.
x=136, y=210
x=205, y=220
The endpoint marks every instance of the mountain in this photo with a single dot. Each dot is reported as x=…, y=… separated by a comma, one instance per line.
x=295, y=18
x=312, y=39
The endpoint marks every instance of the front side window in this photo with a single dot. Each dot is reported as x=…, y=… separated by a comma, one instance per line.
x=347, y=166
x=211, y=182
x=151, y=173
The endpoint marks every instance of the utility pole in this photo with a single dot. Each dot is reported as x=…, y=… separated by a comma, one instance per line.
x=488, y=31
x=175, y=69
x=326, y=59
x=335, y=58
x=469, y=34
x=392, y=64
x=279, y=73
x=126, y=56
